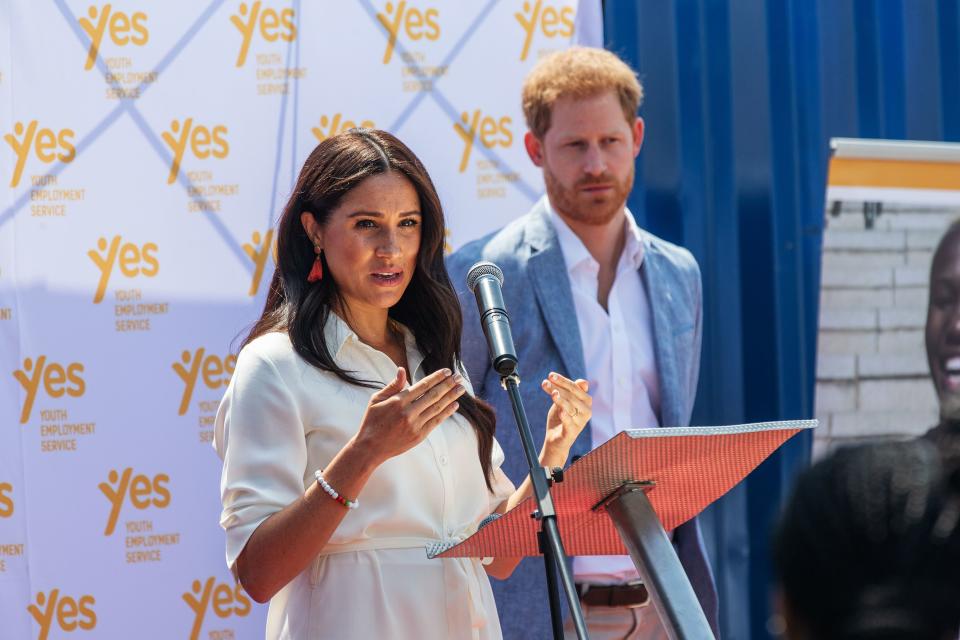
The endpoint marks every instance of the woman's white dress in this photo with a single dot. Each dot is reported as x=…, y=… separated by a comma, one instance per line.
x=280, y=420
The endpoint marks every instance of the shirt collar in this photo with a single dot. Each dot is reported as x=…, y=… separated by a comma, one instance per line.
x=338, y=334
x=575, y=253
x=414, y=357
x=633, y=247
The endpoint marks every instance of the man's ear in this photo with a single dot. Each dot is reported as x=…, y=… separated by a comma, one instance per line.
x=312, y=227
x=534, y=148
x=637, y=136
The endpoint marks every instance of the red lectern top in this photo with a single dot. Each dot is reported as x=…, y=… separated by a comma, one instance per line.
x=688, y=468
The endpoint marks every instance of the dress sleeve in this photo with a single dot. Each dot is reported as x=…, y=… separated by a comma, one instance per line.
x=260, y=437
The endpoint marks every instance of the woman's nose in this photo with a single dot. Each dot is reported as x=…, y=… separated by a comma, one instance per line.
x=388, y=245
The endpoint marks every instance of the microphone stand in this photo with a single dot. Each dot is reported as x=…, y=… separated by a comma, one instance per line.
x=554, y=556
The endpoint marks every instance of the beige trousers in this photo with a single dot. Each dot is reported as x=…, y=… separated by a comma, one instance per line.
x=618, y=623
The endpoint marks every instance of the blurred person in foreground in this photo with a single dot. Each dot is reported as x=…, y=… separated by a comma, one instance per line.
x=349, y=434
x=868, y=546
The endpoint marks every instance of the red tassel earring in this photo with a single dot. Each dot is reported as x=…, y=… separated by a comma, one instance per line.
x=316, y=272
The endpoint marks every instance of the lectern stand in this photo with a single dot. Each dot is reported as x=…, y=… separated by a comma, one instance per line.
x=657, y=563
x=626, y=494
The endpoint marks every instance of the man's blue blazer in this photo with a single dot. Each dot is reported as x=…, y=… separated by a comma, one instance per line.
x=539, y=300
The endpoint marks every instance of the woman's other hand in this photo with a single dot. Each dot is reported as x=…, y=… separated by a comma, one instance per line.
x=568, y=415
x=399, y=419
x=572, y=408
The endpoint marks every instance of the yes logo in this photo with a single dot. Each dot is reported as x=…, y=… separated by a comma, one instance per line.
x=200, y=139
x=54, y=377
x=47, y=144
x=143, y=492
x=258, y=251
x=123, y=28
x=269, y=23
x=214, y=371
x=222, y=598
x=337, y=125
x=133, y=261
x=551, y=22
x=491, y=132
x=68, y=612
x=416, y=24
x=6, y=501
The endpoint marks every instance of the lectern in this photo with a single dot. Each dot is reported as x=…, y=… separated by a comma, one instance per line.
x=625, y=495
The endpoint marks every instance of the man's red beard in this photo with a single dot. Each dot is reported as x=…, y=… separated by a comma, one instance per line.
x=580, y=206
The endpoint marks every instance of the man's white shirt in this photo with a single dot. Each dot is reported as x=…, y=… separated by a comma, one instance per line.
x=618, y=355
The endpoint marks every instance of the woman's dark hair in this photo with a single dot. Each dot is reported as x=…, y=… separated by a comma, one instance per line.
x=429, y=306
x=868, y=546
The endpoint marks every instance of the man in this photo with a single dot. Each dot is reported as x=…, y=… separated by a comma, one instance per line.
x=592, y=296
x=943, y=339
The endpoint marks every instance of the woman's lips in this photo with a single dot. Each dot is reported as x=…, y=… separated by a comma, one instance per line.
x=387, y=278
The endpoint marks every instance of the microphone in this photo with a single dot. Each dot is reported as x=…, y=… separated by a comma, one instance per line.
x=484, y=280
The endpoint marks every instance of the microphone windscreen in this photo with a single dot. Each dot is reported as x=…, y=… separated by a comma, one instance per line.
x=481, y=269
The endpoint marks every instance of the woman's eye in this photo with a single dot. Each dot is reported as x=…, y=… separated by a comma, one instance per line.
x=409, y=222
x=366, y=224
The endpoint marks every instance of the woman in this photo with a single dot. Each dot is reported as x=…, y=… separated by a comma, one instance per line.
x=348, y=389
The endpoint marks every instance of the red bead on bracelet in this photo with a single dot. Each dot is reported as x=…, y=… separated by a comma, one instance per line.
x=330, y=491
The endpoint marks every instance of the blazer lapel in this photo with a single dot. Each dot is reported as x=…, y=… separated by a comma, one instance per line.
x=551, y=285
x=661, y=310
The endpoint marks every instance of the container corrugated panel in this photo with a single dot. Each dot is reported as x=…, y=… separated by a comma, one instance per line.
x=742, y=97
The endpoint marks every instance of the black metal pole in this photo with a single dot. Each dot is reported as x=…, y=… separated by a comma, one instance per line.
x=555, y=621
x=553, y=552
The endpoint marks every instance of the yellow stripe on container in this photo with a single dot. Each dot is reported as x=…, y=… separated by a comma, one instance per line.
x=897, y=174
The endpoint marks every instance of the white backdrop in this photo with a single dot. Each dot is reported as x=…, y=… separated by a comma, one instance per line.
x=148, y=149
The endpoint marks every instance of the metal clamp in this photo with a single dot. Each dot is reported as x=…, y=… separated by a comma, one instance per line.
x=629, y=486
x=514, y=377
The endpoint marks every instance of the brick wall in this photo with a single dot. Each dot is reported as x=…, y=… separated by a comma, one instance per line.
x=872, y=376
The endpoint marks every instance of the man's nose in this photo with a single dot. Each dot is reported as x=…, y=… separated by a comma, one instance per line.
x=594, y=163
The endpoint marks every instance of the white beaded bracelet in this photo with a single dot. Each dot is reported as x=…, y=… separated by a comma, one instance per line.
x=350, y=504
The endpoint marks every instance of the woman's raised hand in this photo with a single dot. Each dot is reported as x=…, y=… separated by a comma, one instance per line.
x=398, y=419
x=571, y=409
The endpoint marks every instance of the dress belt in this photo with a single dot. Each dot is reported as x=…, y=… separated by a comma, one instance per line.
x=373, y=544
x=469, y=568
